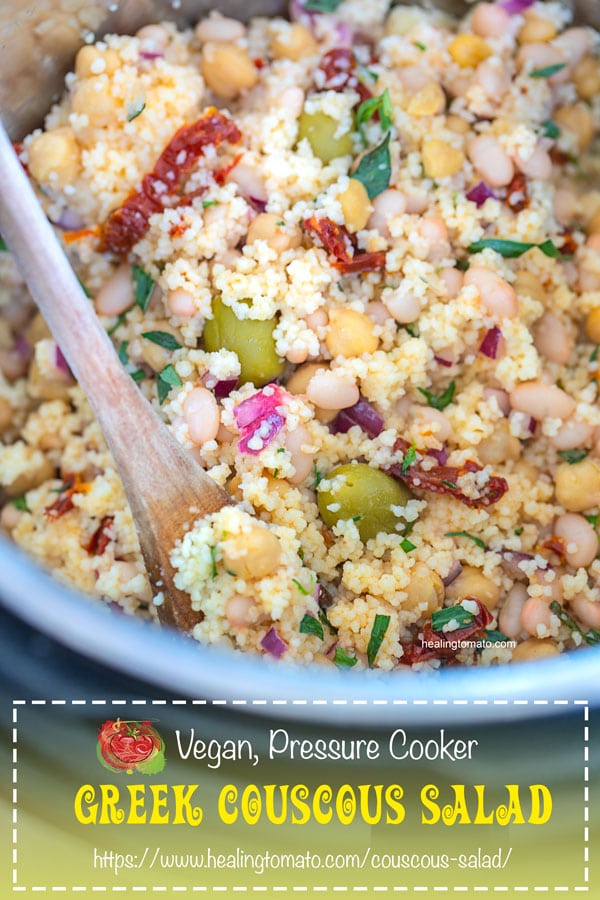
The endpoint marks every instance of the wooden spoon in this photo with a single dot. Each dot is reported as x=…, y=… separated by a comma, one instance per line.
x=166, y=489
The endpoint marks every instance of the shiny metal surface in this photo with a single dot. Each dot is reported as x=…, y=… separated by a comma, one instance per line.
x=38, y=41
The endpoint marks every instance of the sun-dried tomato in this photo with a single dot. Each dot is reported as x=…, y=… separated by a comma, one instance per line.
x=443, y=480
x=339, y=70
x=101, y=538
x=337, y=241
x=569, y=245
x=517, y=197
x=72, y=484
x=430, y=644
x=221, y=174
x=161, y=187
x=554, y=544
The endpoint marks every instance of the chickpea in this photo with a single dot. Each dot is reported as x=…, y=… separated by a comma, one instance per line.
x=473, y=583
x=93, y=99
x=294, y=42
x=54, y=157
x=238, y=611
x=552, y=338
x=356, y=205
x=298, y=381
x=536, y=30
x=7, y=414
x=181, y=303
x=542, y=400
x=425, y=590
x=499, y=446
x=227, y=69
x=578, y=119
x=252, y=554
x=92, y=61
x=586, y=77
x=533, y=649
x=468, y=50
x=39, y=469
x=577, y=486
x=350, y=333
x=269, y=228
x=429, y=101
x=592, y=325
x=440, y=159
x=577, y=531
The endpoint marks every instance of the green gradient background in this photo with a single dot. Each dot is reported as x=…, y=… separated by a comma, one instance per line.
x=57, y=753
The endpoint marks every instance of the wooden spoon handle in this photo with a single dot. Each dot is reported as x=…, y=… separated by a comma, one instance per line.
x=165, y=487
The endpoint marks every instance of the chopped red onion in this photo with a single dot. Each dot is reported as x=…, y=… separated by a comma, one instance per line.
x=22, y=347
x=258, y=203
x=490, y=343
x=224, y=388
x=151, y=54
x=443, y=362
x=361, y=414
x=345, y=35
x=317, y=592
x=61, y=363
x=259, y=418
x=455, y=570
x=511, y=560
x=440, y=455
x=501, y=398
x=299, y=14
x=514, y=7
x=480, y=193
x=273, y=644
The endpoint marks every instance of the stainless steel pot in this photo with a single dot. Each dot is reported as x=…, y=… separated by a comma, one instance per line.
x=38, y=41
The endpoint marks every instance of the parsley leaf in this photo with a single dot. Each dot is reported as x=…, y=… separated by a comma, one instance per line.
x=407, y=545
x=21, y=503
x=451, y=485
x=207, y=203
x=514, y=249
x=590, y=637
x=163, y=339
x=325, y=6
x=123, y=355
x=365, y=74
x=573, y=456
x=213, y=561
x=325, y=621
x=547, y=71
x=343, y=659
x=519, y=531
x=143, y=286
x=120, y=321
x=85, y=289
x=378, y=631
x=381, y=104
x=409, y=458
x=301, y=587
x=318, y=475
x=310, y=625
x=594, y=519
x=138, y=375
x=439, y=401
x=420, y=46
x=3, y=246
x=551, y=129
x=167, y=379
x=466, y=534
x=494, y=637
x=594, y=354
x=457, y=614
x=375, y=169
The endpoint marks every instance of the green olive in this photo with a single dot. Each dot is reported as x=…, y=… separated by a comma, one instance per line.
x=319, y=129
x=251, y=339
x=366, y=495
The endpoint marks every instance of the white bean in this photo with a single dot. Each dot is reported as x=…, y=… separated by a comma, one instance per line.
x=332, y=391
x=552, y=338
x=433, y=234
x=416, y=203
x=497, y=296
x=494, y=78
x=576, y=530
x=181, y=303
x=588, y=611
x=403, y=307
x=201, y=414
x=116, y=294
x=413, y=78
x=432, y=422
x=292, y=100
x=452, y=279
x=238, y=610
x=297, y=354
x=219, y=28
x=377, y=312
x=249, y=182
x=301, y=460
x=571, y=435
x=509, y=620
x=386, y=206
x=489, y=20
x=542, y=400
x=575, y=43
x=536, y=612
x=317, y=321
x=491, y=160
x=538, y=165
x=540, y=56
x=565, y=206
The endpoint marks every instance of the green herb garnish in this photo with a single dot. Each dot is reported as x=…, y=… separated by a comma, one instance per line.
x=547, y=71
x=494, y=637
x=123, y=355
x=301, y=587
x=451, y=485
x=120, y=320
x=167, y=379
x=318, y=475
x=213, y=561
x=514, y=249
x=410, y=329
x=310, y=625
x=551, y=129
x=85, y=289
x=207, y=203
x=364, y=74
x=21, y=503
x=590, y=637
x=325, y=6
x=407, y=545
x=380, y=626
x=439, y=401
x=458, y=614
x=163, y=339
x=420, y=46
x=3, y=246
x=466, y=534
x=343, y=659
x=519, y=531
x=409, y=458
x=135, y=110
x=594, y=354
x=573, y=456
x=381, y=104
x=143, y=285
x=375, y=169
x=462, y=264
x=593, y=519
x=325, y=621
x=138, y=375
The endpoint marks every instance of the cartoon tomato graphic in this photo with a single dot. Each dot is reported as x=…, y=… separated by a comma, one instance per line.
x=126, y=745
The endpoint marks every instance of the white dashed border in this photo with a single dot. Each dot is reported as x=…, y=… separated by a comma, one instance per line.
x=256, y=889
